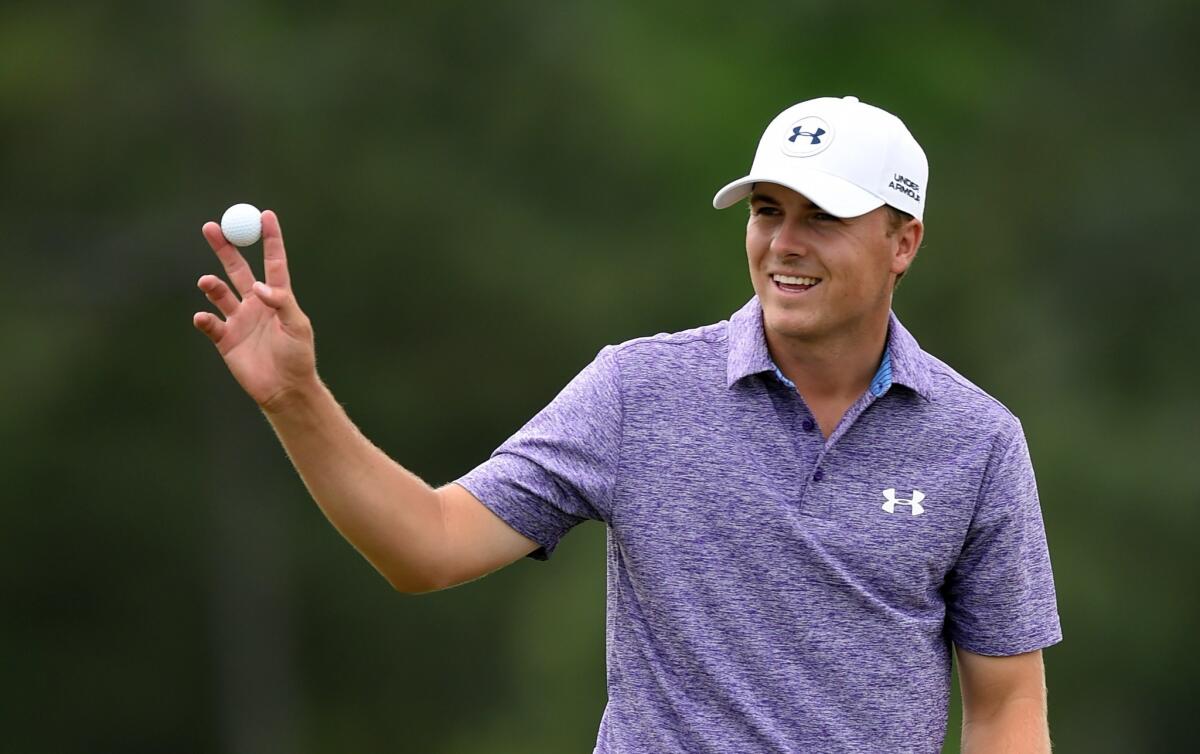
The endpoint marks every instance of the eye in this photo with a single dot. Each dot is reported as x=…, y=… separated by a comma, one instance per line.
x=764, y=209
x=826, y=217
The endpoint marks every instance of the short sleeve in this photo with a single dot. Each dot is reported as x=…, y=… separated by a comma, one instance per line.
x=1000, y=597
x=560, y=468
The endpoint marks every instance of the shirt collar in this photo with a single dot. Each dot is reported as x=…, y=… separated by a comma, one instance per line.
x=748, y=352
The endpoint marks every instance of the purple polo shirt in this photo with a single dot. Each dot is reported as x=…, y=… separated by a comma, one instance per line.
x=770, y=590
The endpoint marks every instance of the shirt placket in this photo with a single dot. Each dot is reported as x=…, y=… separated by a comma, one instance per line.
x=804, y=437
x=818, y=500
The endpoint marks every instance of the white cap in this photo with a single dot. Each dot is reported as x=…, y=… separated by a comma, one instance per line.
x=846, y=156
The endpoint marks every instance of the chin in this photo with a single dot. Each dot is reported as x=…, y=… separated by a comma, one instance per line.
x=790, y=324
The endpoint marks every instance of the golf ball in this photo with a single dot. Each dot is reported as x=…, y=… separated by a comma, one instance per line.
x=242, y=224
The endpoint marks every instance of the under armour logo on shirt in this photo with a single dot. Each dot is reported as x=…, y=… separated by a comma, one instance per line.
x=914, y=501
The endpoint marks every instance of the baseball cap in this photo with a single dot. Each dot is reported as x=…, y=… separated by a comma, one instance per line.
x=846, y=156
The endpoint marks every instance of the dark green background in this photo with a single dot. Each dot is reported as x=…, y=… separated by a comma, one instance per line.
x=476, y=198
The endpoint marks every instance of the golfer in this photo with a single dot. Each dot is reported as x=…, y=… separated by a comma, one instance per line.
x=807, y=513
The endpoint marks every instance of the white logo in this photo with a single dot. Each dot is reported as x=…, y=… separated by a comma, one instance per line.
x=914, y=501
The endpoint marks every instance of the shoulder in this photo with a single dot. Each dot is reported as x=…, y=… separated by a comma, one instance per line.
x=962, y=401
x=690, y=348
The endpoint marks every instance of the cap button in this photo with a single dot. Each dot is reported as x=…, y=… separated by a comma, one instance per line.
x=851, y=98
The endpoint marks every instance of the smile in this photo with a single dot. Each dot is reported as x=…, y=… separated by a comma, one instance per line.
x=794, y=284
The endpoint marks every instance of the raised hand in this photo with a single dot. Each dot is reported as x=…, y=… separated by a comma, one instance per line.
x=264, y=338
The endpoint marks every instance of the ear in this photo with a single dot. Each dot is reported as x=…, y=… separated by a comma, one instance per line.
x=907, y=240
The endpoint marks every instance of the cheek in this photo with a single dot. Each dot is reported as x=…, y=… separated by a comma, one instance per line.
x=756, y=244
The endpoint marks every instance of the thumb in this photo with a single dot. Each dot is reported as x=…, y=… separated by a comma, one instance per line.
x=281, y=300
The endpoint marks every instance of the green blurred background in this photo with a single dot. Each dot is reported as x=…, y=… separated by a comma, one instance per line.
x=476, y=198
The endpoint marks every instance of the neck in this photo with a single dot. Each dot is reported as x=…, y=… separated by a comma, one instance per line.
x=834, y=366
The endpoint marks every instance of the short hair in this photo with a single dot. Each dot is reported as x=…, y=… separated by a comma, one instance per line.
x=896, y=218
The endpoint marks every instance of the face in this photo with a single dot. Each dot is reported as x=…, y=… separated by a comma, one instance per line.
x=848, y=265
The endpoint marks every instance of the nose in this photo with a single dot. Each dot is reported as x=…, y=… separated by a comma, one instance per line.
x=791, y=237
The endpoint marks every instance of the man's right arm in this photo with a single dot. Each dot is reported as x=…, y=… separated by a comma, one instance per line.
x=420, y=539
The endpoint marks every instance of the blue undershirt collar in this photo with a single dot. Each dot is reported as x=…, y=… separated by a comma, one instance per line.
x=880, y=383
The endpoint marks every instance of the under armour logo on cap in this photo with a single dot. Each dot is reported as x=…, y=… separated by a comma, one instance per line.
x=816, y=137
x=914, y=501
x=807, y=136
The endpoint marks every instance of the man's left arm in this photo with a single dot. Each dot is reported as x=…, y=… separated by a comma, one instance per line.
x=1004, y=703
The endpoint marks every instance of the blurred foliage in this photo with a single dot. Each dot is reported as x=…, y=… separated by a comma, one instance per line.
x=477, y=197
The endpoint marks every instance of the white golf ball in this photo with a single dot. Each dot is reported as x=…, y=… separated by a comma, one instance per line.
x=242, y=224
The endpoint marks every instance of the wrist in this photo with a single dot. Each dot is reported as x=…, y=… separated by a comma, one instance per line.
x=298, y=397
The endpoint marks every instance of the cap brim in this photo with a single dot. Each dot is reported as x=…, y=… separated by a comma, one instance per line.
x=837, y=196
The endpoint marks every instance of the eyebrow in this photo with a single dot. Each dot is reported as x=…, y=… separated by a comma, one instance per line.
x=756, y=197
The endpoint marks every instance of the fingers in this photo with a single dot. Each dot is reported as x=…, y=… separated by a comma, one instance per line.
x=274, y=256
x=283, y=302
x=235, y=265
x=218, y=293
x=209, y=324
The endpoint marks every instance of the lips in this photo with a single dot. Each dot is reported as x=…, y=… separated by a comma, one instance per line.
x=794, y=284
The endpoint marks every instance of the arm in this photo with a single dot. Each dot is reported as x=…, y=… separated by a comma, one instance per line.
x=418, y=538
x=1004, y=703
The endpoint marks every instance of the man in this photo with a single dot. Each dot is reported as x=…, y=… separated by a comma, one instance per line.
x=805, y=510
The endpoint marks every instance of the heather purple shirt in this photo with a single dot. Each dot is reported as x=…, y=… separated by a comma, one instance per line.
x=770, y=590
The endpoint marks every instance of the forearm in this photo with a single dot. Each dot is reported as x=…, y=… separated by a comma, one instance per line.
x=388, y=513
x=1016, y=727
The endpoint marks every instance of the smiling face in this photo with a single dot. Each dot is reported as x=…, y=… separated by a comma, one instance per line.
x=822, y=278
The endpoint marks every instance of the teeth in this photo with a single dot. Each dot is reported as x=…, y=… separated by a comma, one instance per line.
x=795, y=281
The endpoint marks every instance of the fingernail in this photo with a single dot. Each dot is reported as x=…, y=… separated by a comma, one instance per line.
x=262, y=289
